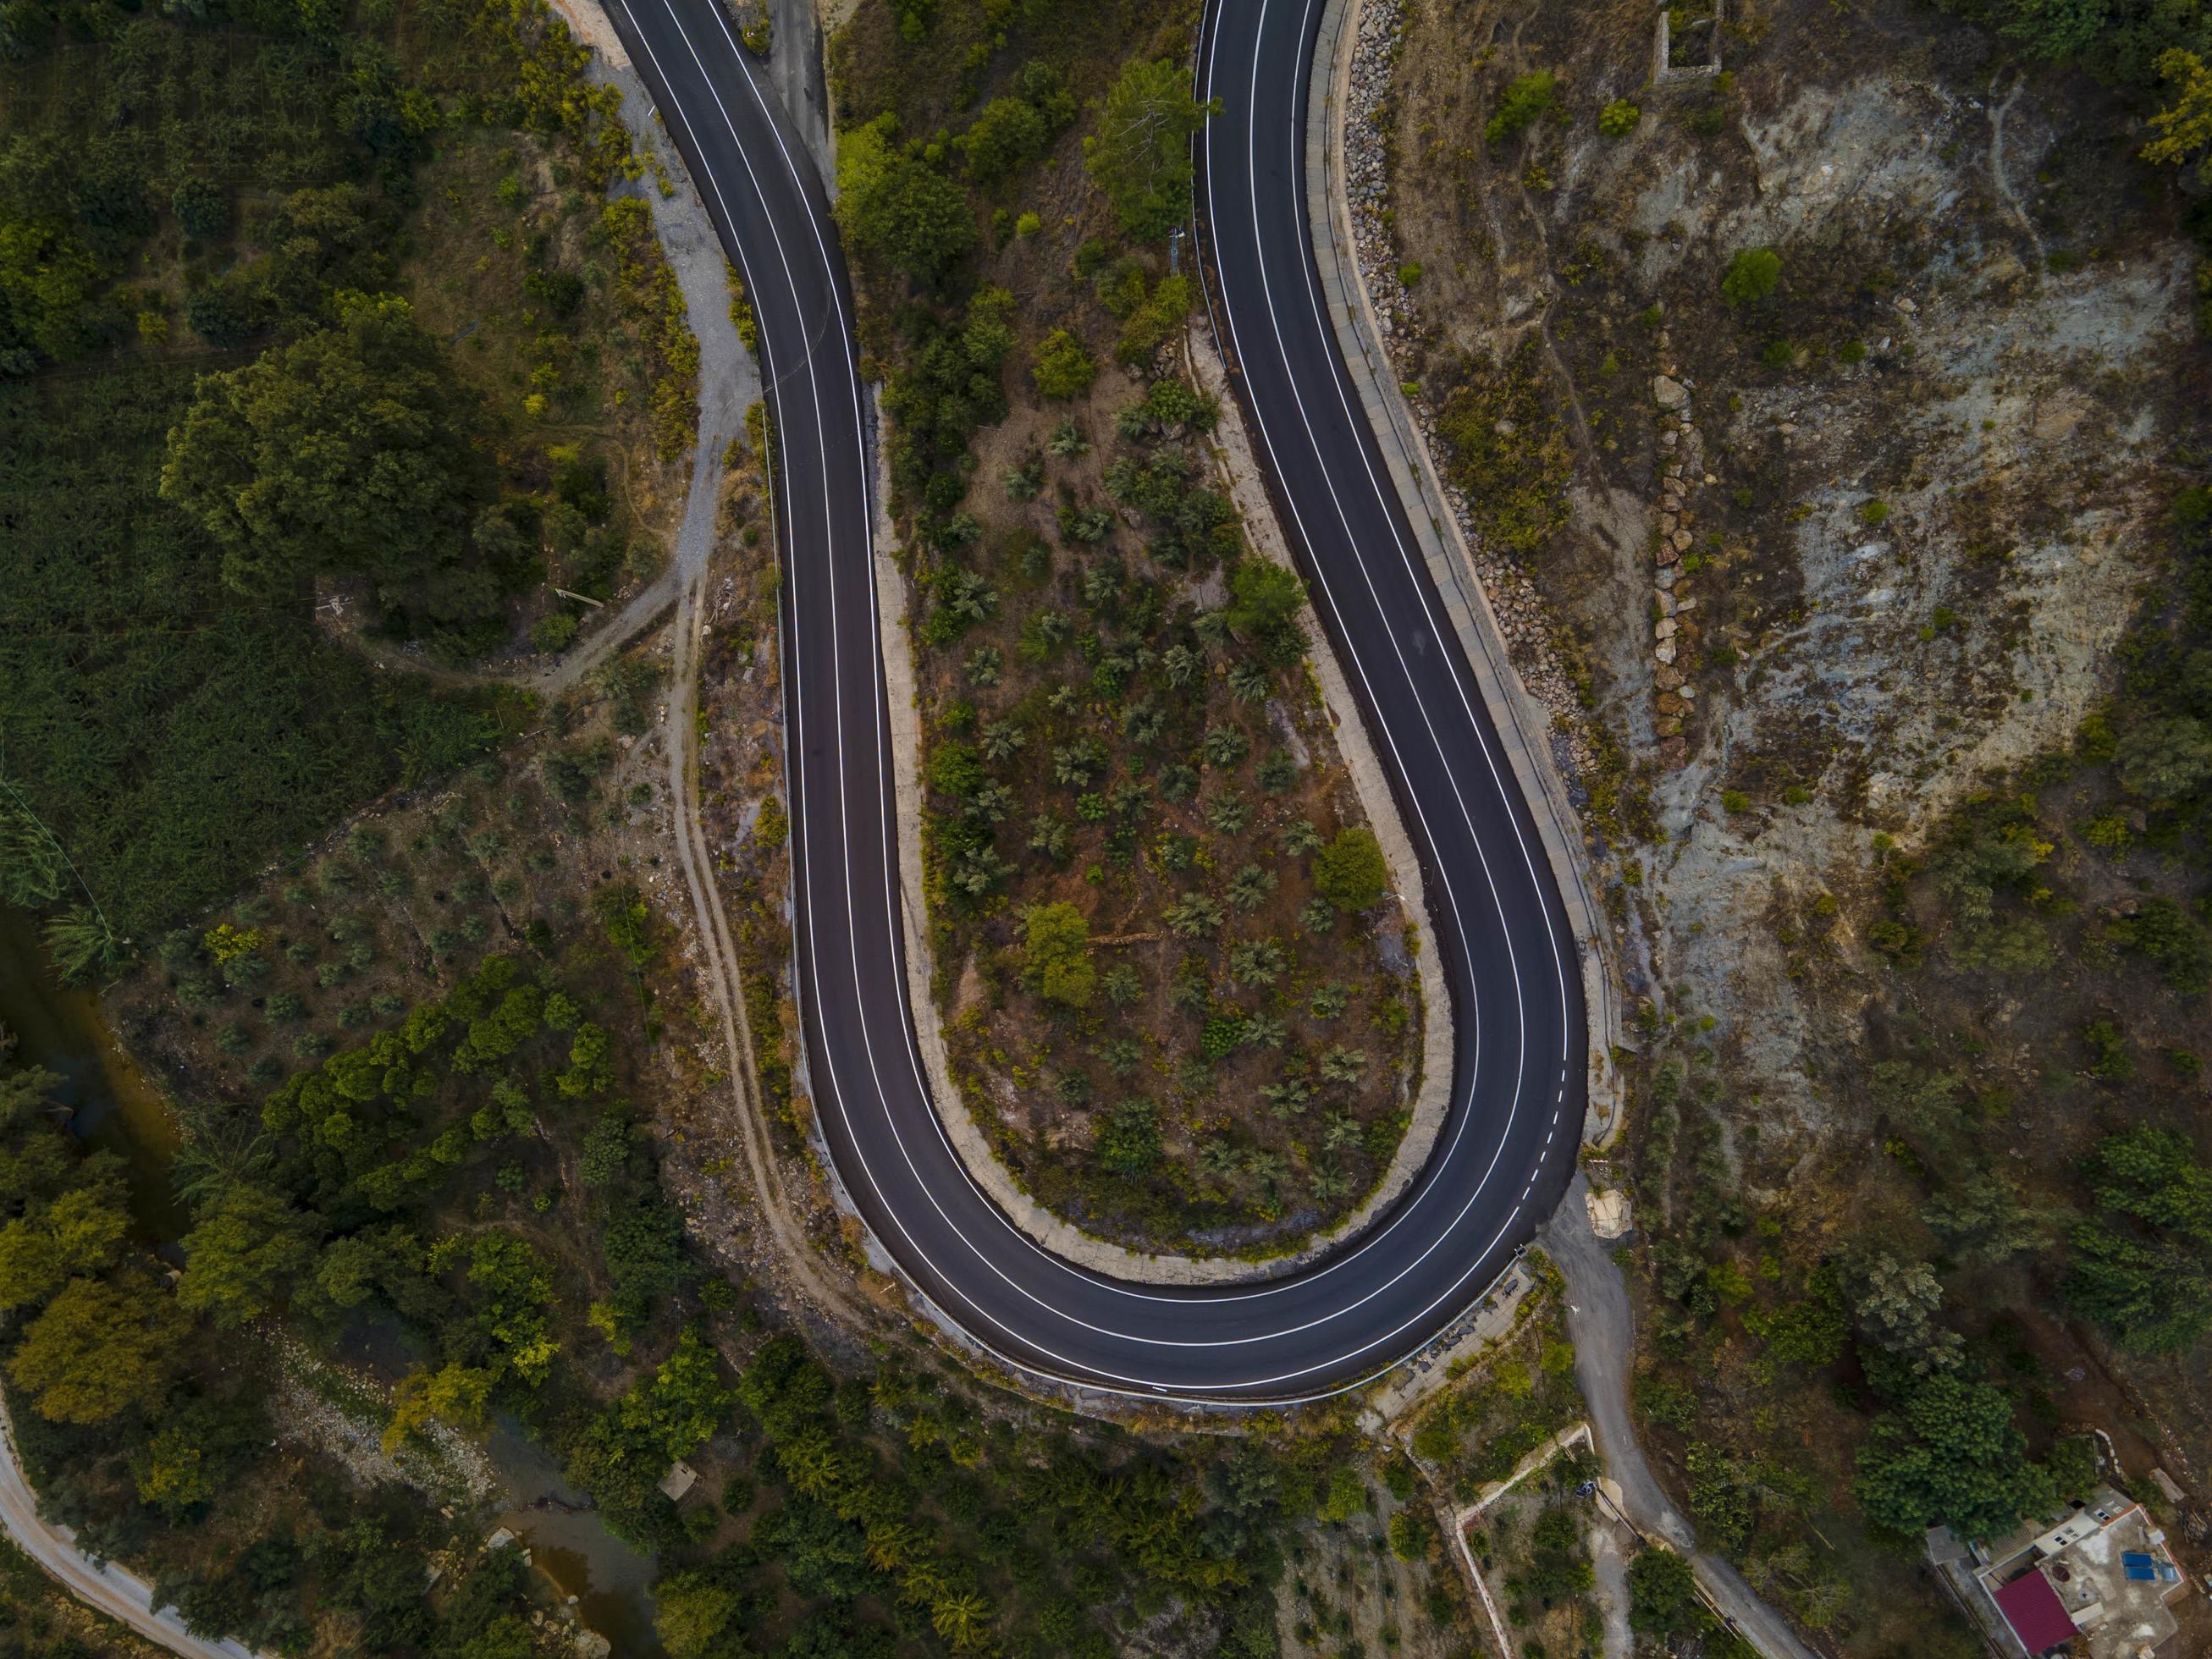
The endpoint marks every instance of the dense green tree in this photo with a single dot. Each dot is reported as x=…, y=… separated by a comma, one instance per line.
x=2185, y=126
x=2142, y=1263
x=100, y=1348
x=894, y=207
x=2165, y=757
x=345, y=452
x=1896, y=1299
x=1663, y=1594
x=49, y=276
x=201, y=207
x=1014, y=131
x=663, y=1416
x=2055, y=28
x=693, y=1610
x=1984, y=1218
x=823, y=1554
x=242, y=1255
x=1952, y=1455
x=2162, y=930
x=79, y=1229
x=1140, y=155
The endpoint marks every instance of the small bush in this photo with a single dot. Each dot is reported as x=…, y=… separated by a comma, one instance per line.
x=1619, y=119
x=203, y=208
x=1528, y=98
x=1873, y=512
x=1409, y=274
x=1063, y=368
x=1735, y=800
x=555, y=631
x=1349, y=871
x=1753, y=276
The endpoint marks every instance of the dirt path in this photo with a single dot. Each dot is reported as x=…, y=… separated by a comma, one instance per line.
x=1601, y=1324
x=729, y=383
x=1997, y=113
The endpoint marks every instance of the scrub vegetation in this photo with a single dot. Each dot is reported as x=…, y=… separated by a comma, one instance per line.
x=1918, y=1149
x=1177, y=992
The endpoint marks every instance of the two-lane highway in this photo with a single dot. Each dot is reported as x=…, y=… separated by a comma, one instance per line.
x=1508, y=1145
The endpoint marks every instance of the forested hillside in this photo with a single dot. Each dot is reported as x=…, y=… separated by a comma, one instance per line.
x=332, y=340
x=231, y=440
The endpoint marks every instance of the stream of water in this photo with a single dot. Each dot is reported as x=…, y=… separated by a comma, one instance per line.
x=114, y=1105
x=117, y=1106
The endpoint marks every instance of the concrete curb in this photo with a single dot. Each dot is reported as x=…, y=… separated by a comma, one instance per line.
x=1062, y=1237
x=1522, y=726
x=1432, y=1092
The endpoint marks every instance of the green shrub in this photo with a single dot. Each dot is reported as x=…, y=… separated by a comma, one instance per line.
x=1753, y=276
x=1619, y=119
x=1350, y=872
x=1056, y=942
x=1527, y=99
x=554, y=631
x=1151, y=323
x=1129, y=1140
x=1063, y=369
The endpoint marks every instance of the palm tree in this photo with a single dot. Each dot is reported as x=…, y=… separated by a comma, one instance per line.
x=891, y=1545
x=810, y=1462
x=83, y=946
x=963, y=1619
x=921, y=1583
x=220, y=1150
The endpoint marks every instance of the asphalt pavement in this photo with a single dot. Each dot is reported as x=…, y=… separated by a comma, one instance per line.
x=116, y=1591
x=1508, y=1144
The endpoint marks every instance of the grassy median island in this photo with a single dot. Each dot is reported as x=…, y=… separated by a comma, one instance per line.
x=1176, y=988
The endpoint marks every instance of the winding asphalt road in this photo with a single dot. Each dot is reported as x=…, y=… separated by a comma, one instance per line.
x=1509, y=1142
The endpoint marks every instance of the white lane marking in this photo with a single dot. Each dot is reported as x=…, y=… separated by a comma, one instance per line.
x=865, y=1009
x=821, y=435
x=1429, y=599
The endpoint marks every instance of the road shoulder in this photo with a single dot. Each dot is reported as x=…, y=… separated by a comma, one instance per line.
x=1522, y=724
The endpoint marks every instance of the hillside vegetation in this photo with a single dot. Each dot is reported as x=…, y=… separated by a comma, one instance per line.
x=1844, y=406
x=269, y=376
x=1178, y=992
